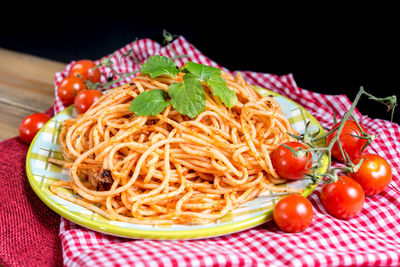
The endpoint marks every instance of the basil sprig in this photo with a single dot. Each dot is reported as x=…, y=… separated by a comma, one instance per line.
x=187, y=97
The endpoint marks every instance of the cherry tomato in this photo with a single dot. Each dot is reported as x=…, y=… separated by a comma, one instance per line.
x=31, y=125
x=68, y=88
x=85, y=98
x=84, y=70
x=293, y=214
x=374, y=174
x=287, y=165
x=343, y=199
x=350, y=144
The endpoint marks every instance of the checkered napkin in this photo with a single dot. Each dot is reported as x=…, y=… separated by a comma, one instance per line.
x=372, y=238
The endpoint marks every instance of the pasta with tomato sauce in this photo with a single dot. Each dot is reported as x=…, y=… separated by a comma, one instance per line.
x=169, y=168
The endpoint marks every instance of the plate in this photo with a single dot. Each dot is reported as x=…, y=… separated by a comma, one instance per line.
x=253, y=213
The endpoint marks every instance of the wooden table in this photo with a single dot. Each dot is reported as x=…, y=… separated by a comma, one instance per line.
x=26, y=87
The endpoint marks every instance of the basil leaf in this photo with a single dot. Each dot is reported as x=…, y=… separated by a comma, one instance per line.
x=188, y=97
x=149, y=103
x=222, y=91
x=159, y=65
x=201, y=71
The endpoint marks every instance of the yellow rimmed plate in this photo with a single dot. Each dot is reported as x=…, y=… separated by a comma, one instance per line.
x=253, y=213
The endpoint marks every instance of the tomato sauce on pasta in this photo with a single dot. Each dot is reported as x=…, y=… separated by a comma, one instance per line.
x=168, y=168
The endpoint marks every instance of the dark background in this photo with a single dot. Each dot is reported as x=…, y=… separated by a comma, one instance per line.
x=332, y=50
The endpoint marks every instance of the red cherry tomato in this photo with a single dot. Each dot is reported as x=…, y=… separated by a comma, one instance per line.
x=293, y=214
x=374, y=174
x=85, y=99
x=84, y=69
x=350, y=144
x=68, y=88
x=31, y=125
x=287, y=165
x=343, y=199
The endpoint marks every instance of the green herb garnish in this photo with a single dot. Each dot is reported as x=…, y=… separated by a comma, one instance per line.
x=187, y=97
x=201, y=71
x=149, y=103
x=221, y=90
x=159, y=65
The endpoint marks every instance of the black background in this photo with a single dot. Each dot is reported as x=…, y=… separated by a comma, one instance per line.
x=331, y=49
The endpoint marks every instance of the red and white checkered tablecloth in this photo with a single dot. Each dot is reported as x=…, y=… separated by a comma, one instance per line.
x=370, y=239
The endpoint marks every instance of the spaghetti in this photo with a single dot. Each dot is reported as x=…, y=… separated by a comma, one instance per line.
x=168, y=168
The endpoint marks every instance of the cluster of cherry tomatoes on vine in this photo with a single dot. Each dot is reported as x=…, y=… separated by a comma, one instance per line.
x=71, y=90
x=343, y=198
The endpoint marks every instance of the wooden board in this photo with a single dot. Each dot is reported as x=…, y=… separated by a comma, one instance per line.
x=26, y=87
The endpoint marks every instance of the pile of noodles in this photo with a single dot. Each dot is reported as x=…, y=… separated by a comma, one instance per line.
x=168, y=168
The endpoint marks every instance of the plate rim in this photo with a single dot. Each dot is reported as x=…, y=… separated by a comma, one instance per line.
x=160, y=234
